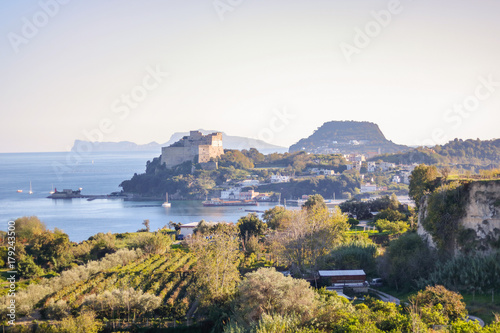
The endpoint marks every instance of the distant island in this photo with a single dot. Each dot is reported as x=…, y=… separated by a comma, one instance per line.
x=230, y=142
x=347, y=137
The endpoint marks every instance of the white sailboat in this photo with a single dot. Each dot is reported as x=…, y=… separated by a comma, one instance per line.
x=166, y=203
x=31, y=190
x=52, y=192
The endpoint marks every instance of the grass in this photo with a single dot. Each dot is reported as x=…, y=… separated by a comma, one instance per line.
x=399, y=294
x=481, y=305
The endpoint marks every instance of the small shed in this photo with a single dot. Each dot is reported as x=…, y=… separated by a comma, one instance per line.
x=340, y=279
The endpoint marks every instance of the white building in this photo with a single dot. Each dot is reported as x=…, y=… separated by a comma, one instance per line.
x=231, y=194
x=371, y=166
x=359, y=158
x=406, y=177
x=386, y=166
x=280, y=179
x=248, y=195
x=365, y=188
x=249, y=182
x=187, y=229
x=318, y=171
x=396, y=179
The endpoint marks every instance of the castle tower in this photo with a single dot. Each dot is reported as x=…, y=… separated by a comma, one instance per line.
x=196, y=145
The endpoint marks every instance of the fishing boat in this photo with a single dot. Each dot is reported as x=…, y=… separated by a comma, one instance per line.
x=166, y=203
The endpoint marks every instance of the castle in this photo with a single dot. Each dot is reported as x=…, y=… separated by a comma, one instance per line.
x=192, y=147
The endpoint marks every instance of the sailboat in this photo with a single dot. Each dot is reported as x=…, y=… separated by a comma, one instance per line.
x=166, y=203
x=52, y=192
x=31, y=190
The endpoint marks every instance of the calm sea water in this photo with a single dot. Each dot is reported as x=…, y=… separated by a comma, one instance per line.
x=96, y=173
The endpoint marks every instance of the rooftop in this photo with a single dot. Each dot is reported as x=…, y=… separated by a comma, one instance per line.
x=343, y=272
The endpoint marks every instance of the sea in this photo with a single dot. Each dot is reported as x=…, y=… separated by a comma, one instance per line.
x=96, y=173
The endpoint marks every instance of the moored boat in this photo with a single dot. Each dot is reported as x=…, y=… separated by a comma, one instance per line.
x=166, y=203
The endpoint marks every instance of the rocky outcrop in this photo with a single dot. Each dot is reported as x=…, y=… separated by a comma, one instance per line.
x=479, y=227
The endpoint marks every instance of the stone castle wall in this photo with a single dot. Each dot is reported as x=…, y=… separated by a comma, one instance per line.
x=205, y=147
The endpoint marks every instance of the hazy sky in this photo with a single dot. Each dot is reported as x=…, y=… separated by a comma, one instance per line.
x=424, y=71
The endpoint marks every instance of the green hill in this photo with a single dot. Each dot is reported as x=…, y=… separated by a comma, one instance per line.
x=347, y=137
x=457, y=153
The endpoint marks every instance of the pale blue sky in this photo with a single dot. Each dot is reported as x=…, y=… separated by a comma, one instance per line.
x=69, y=75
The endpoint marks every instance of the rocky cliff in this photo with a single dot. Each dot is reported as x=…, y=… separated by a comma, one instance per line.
x=473, y=223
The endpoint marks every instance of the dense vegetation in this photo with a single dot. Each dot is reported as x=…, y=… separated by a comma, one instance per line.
x=236, y=278
x=190, y=181
x=457, y=153
x=345, y=185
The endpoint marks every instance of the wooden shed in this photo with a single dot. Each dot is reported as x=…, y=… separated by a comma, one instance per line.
x=340, y=279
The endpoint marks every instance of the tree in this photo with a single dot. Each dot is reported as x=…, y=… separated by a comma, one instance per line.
x=352, y=222
x=277, y=217
x=146, y=224
x=50, y=249
x=396, y=227
x=156, y=242
x=437, y=303
x=408, y=260
x=102, y=244
x=355, y=255
x=176, y=226
x=315, y=202
x=251, y=225
x=217, y=258
x=268, y=292
x=202, y=228
x=310, y=235
x=422, y=181
x=390, y=215
x=85, y=323
x=28, y=269
x=124, y=301
x=27, y=227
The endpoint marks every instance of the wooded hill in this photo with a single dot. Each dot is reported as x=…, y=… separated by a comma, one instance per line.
x=348, y=137
x=457, y=152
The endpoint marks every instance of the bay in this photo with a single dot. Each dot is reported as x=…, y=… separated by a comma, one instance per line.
x=96, y=173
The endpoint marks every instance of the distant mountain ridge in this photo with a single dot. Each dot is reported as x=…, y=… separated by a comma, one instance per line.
x=347, y=137
x=229, y=142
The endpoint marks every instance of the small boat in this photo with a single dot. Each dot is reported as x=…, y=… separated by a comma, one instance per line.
x=166, y=203
x=31, y=190
x=19, y=191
